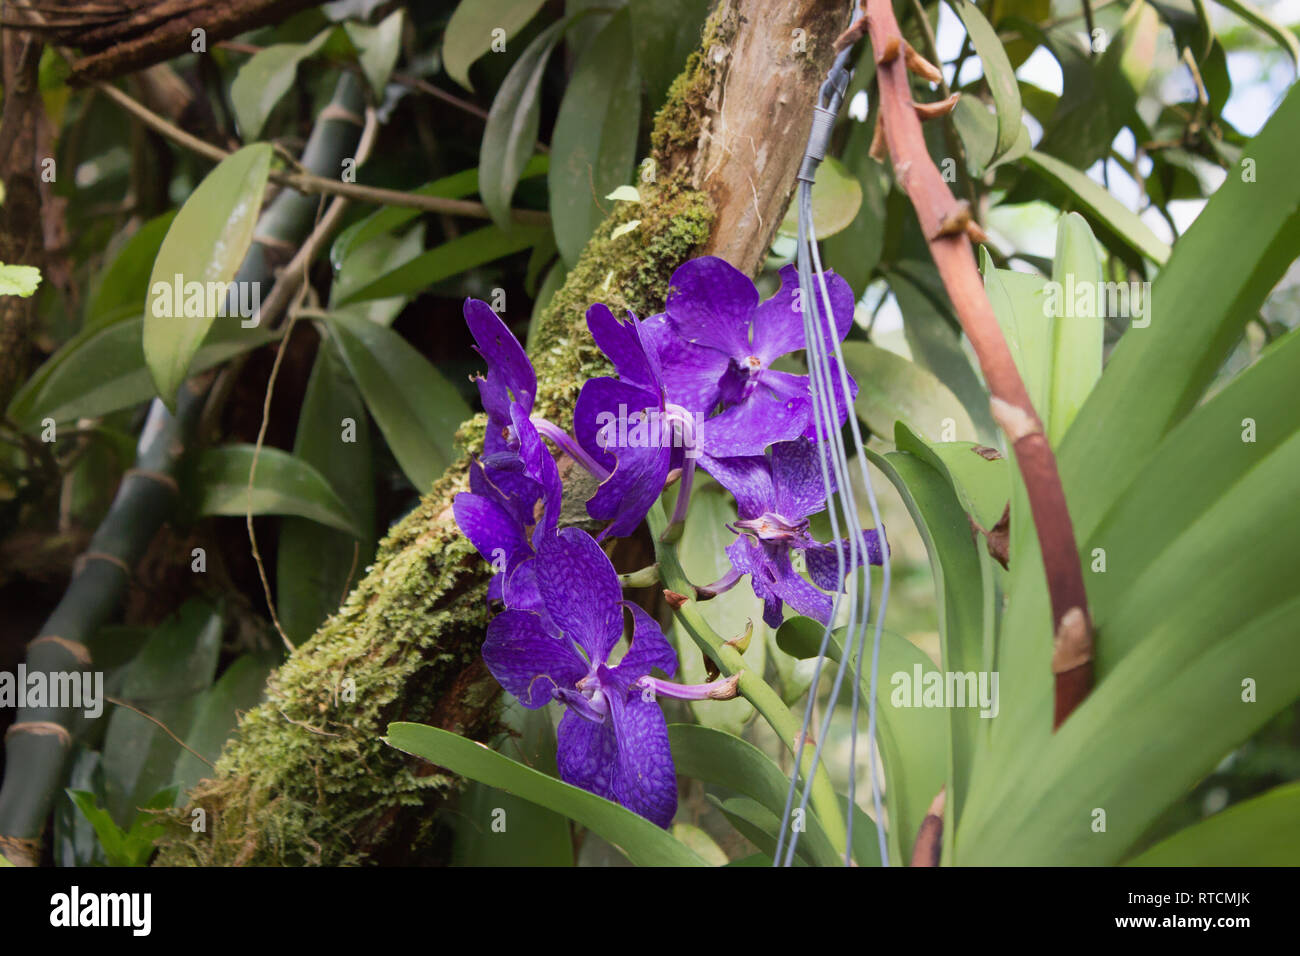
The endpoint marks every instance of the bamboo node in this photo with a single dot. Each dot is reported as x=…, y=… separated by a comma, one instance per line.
x=161, y=477
x=336, y=112
x=44, y=728
x=83, y=559
x=75, y=648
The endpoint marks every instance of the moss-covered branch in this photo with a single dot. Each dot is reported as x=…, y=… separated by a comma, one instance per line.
x=306, y=779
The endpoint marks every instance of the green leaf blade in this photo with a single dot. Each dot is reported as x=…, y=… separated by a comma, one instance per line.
x=205, y=244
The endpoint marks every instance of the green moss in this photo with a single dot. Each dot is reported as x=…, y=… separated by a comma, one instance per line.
x=677, y=124
x=306, y=779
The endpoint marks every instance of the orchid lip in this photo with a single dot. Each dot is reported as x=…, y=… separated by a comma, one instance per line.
x=770, y=526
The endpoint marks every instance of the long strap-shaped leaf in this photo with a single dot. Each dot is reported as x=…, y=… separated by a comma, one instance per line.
x=640, y=840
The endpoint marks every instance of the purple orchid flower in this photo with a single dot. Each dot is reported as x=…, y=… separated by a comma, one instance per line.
x=510, y=379
x=630, y=428
x=775, y=495
x=716, y=343
x=499, y=514
x=613, y=740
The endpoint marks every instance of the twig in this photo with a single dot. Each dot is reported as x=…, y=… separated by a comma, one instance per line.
x=945, y=223
x=165, y=729
x=311, y=184
x=293, y=278
x=1091, y=25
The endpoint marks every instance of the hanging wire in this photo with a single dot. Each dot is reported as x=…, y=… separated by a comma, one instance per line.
x=830, y=392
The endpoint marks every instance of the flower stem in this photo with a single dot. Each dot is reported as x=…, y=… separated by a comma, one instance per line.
x=564, y=441
x=751, y=685
x=642, y=578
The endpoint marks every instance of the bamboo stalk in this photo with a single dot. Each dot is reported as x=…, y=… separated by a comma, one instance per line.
x=38, y=743
x=947, y=226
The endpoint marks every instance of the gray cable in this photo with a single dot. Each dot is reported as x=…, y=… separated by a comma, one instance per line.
x=823, y=382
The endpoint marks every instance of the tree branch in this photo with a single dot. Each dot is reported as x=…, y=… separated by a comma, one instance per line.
x=945, y=222
x=311, y=184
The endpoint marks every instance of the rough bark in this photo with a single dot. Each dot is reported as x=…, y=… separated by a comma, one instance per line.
x=306, y=778
x=139, y=33
x=21, y=239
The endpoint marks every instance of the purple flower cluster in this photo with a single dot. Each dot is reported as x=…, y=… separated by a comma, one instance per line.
x=695, y=385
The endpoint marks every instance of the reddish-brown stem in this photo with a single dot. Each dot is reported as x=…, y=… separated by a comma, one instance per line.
x=944, y=221
x=928, y=848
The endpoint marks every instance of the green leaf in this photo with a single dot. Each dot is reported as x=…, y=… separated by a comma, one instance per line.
x=315, y=564
x=124, y=283
x=449, y=259
x=836, y=199
x=856, y=251
x=112, y=838
x=1100, y=93
x=718, y=758
x=961, y=577
x=1257, y=18
x=389, y=218
x=1077, y=338
x=1260, y=831
x=665, y=33
x=206, y=244
x=75, y=841
x=981, y=484
x=689, y=835
x=365, y=264
x=470, y=31
x=416, y=408
x=1018, y=301
x=496, y=828
x=704, y=560
x=892, y=389
x=1202, y=494
x=102, y=369
x=593, y=147
x=512, y=122
x=934, y=337
x=377, y=48
x=639, y=840
x=19, y=280
x=1250, y=232
x=757, y=824
x=262, y=82
x=282, y=485
x=914, y=741
x=238, y=690
x=1034, y=11
x=165, y=681
x=997, y=71
x=555, y=277
x=132, y=847
x=1101, y=205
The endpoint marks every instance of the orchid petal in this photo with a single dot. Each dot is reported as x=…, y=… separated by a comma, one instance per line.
x=710, y=303
x=580, y=590
x=528, y=662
